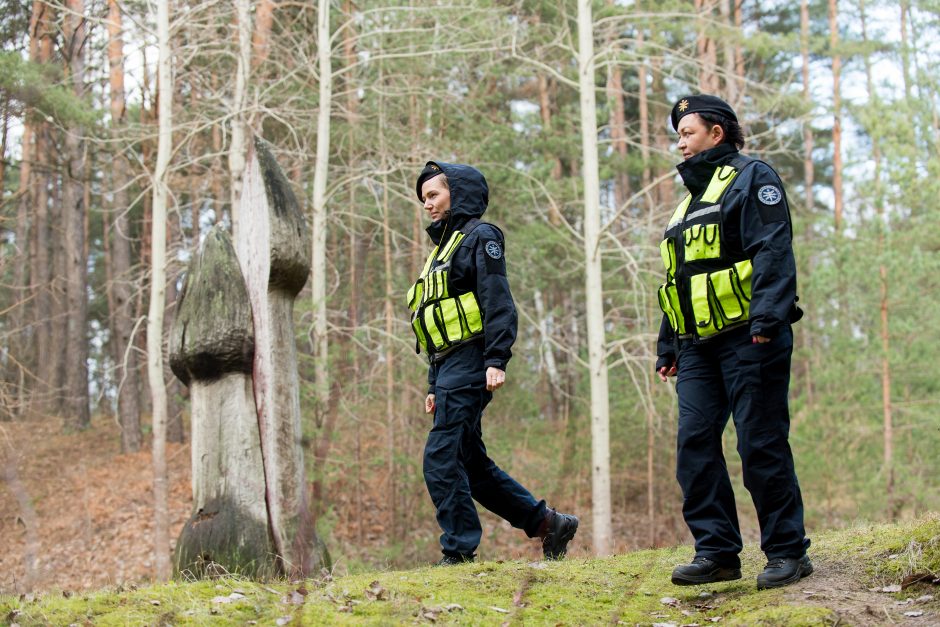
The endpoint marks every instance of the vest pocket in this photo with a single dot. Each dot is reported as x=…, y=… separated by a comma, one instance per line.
x=470, y=312
x=415, y=295
x=721, y=298
x=419, y=332
x=669, y=303
x=702, y=241
x=667, y=250
x=449, y=317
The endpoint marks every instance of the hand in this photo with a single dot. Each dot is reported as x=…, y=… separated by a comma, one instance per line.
x=759, y=339
x=429, y=405
x=495, y=378
x=667, y=371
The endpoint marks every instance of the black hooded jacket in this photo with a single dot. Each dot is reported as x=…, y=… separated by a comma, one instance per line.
x=752, y=229
x=478, y=265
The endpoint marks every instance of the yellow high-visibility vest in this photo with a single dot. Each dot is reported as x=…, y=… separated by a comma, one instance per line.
x=711, y=301
x=441, y=321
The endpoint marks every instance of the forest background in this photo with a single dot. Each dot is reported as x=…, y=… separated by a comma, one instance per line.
x=839, y=96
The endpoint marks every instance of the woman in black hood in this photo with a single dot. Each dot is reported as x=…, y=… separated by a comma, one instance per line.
x=464, y=319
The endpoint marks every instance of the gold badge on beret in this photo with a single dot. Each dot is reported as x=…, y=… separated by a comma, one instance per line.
x=683, y=105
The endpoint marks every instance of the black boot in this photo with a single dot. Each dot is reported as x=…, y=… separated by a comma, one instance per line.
x=454, y=560
x=703, y=570
x=782, y=571
x=556, y=532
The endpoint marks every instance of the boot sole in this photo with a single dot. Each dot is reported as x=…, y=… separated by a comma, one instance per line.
x=725, y=574
x=800, y=573
x=567, y=537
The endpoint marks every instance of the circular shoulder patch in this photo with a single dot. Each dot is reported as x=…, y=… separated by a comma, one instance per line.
x=493, y=249
x=769, y=194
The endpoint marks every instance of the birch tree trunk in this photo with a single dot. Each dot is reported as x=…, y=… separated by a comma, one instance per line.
x=121, y=284
x=593, y=284
x=321, y=345
x=158, y=294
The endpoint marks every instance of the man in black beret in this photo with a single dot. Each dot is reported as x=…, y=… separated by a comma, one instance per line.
x=728, y=301
x=464, y=319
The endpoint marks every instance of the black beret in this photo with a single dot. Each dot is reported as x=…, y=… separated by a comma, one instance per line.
x=430, y=170
x=701, y=104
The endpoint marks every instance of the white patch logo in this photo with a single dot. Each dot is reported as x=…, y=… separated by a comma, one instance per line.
x=493, y=250
x=769, y=194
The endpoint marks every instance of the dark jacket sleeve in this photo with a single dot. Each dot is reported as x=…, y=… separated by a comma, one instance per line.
x=432, y=377
x=665, y=345
x=500, y=320
x=766, y=235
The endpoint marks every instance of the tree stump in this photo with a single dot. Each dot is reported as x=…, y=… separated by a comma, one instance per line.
x=273, y=245
x=212, y=352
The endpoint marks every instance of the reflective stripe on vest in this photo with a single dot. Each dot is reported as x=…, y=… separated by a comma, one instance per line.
x=719, y=299
x=439, y=320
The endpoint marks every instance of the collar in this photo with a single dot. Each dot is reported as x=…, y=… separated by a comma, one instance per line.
x=697, y=171
x=439, y=229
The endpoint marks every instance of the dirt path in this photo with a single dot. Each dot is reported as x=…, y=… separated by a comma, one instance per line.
x=836, y=586
x=92, y=515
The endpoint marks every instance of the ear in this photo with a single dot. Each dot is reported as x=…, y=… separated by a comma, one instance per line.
x=717, y=134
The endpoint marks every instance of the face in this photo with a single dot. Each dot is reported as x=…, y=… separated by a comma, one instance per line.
x=695, y=136
x=436, y=198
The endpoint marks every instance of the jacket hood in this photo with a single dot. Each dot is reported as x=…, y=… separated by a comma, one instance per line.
x=469, y=196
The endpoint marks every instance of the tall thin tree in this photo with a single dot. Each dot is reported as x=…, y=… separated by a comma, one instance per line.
x=321, y=165
x=121, y=285
x=593, y=285
x=158, y=292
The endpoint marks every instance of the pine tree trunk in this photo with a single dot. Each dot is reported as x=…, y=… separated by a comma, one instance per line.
x=21, y=344
x=836, y=112
x=808, y=174
x=45, y=390
x=261, y=39
x=121, y=283
x=893, y=504
x=593, y=284
x=705, y=45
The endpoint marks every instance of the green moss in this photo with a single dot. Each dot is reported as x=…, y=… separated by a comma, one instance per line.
x=630, y=589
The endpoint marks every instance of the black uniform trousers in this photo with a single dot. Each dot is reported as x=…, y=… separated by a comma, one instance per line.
x=730, y=375
x=458, y=471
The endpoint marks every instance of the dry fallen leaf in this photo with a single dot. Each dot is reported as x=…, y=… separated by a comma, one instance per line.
x=499, y=609
x=376, y=592
x=669, y=601
x=892, y=588
x=911, y=579
x=914, y=614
